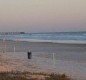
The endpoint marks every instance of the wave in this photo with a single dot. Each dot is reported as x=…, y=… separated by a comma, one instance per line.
x=53, y=41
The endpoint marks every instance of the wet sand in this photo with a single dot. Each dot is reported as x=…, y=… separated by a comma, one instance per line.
x=69, y=58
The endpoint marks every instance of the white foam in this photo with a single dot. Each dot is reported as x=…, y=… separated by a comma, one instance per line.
x=54, y=41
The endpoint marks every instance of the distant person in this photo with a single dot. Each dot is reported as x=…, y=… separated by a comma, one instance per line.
x=29, y=53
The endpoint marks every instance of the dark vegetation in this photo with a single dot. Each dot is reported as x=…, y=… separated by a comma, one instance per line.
x=29, y=76
x=57, y=77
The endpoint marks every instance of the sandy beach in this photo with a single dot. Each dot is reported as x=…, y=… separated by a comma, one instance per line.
x=69, y=58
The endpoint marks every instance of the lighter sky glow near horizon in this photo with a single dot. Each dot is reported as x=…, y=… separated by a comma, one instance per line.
x=42, y=15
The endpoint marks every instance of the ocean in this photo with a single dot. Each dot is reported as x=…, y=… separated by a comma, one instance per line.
x=51, y=36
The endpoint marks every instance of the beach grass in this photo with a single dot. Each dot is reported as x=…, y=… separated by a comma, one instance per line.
x=31, y=76
x=54, y=76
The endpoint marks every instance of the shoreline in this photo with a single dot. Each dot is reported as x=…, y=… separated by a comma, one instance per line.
x=76, y=42
x=53, y=41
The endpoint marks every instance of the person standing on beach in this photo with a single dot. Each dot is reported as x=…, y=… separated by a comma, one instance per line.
x=29, y=53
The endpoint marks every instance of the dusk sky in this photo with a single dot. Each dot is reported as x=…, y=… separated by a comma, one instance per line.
x=42, y=15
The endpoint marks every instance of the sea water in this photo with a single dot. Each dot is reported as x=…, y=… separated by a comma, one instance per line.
x=80, y=36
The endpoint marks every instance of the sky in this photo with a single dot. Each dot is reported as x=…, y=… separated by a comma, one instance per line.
x=42, y=15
